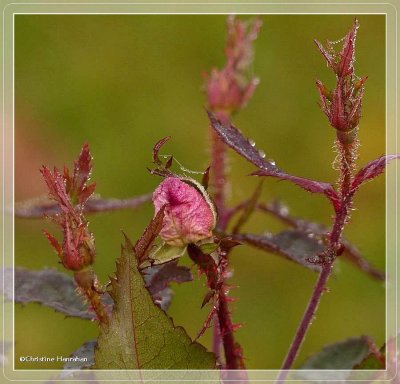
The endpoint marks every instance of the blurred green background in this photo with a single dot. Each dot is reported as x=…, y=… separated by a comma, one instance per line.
x=121, y=83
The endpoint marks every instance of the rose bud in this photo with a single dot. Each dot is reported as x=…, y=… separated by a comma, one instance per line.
x=189, y=214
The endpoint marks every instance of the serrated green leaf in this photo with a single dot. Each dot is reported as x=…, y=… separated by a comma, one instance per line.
x=140, y=335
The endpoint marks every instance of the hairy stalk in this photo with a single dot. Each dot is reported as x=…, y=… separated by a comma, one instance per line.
x=223, y=327
x=228, y=90
x=347, y=152
x=222, y=333
x=307, y=319
x=218, y=175
x=232, y=362
x=89, y=287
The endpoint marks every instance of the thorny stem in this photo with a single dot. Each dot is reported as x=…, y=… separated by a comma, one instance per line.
x=223, y=330
x=230, y=347
x=87, y=282
x=347, y=153
x=216, y=346
x=217, y=181
x=218, y=177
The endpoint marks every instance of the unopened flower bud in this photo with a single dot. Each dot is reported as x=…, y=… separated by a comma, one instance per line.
x=342, y=106
x=189, y=214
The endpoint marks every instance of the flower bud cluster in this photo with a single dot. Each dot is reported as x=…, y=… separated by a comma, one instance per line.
x=77, y=250
x=342, y=105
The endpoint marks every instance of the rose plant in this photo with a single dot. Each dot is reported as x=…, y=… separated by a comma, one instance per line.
x=192, y=219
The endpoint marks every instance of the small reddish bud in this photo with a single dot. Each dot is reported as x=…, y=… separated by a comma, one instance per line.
x=78, y=247
x=342, y=106
x=77, y=250
x=230, y=88
x=189, y=215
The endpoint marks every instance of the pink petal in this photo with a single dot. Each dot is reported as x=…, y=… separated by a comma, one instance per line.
x=188, y=216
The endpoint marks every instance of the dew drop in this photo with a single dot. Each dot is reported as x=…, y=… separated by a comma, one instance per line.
x=262, y=154
x=271, y=161
x=252, y=142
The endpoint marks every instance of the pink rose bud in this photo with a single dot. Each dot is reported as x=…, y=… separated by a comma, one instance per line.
x=189, y=214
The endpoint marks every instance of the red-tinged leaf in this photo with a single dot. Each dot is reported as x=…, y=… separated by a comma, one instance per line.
x=307, y=184
x=346, y=63
x=54, y=243
x=57, y=191
x=82, y=170
x=328, y=57
x=160, y=276
x=157, y=148
x=143, y=245
x=86, y=193
x=227, y=243
x=324, y=96
x=206, y=178
x=294, y=245
x=67, y=179
x=371, y=170
x=235, y=139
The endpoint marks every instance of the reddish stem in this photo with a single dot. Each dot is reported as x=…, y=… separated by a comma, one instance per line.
x=216, y=345
x=307, y=319
x=218, y=173
x=87, y=282
x=224, y=319
x=347, y=157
